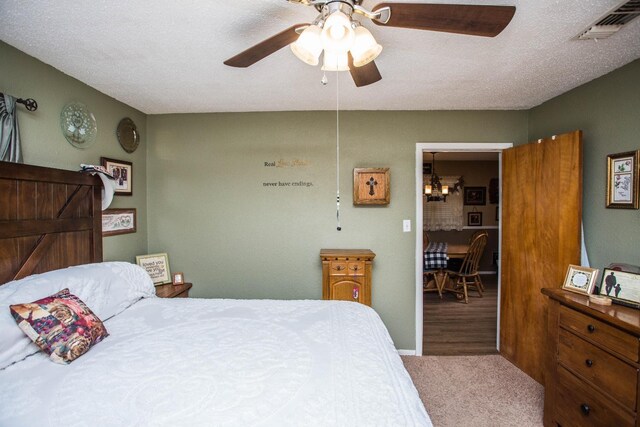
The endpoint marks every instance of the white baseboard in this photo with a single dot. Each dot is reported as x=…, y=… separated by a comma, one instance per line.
x=406, y=352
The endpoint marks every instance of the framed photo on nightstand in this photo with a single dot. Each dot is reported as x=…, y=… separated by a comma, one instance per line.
x=178, y=278
x=157, y=266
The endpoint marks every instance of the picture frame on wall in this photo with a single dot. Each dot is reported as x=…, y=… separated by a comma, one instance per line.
x=371, y=186
x=474, y=219
x=157, y=266
x=621, y=286
x=580, y=279
x=622, y=180
x=118, y=221
x=475, y=196
x=122, y=171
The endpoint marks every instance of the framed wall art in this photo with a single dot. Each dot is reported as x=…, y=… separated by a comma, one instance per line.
x=474, y=219
x=157, y=266
x=475, y=196
x=622, y=180
x=371, y=186
x=122, y=171
x=621, y=286
x=579, y=279
x=118, y=221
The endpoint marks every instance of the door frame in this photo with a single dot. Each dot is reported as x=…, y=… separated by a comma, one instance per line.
x=474, y=147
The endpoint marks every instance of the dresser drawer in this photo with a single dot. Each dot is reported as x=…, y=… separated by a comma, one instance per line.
x=338, y=268
x=578, y=404
x=355, y=268
x=605, y=335
x=346, y=268
x=612, y=376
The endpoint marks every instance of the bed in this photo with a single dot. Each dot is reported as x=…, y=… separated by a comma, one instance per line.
x=177, y=361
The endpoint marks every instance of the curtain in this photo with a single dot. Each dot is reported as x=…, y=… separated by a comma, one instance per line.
x=9, y=133
x=444, y=215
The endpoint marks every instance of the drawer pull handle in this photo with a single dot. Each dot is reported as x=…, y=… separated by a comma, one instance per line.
x=589, y=363
x=356, y=293
x=585, y=408
x=591, y=328
x=354, y=268
x=339, y=268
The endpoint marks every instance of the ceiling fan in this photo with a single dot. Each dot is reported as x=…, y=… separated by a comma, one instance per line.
x=347, y=45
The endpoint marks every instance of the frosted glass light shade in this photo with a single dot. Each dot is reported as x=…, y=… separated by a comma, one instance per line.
x=337, y=34
x=445, y=189
x=308, y=46
x=365, y=48
x=335, y=61
x=427, y=189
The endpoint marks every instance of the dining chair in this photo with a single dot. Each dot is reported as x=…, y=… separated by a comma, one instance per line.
x=431, y=274
x=467, y=276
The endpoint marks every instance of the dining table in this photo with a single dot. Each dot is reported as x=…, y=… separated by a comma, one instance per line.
x=435, y=256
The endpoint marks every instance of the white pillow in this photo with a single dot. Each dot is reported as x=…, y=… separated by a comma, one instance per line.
x=106, y=288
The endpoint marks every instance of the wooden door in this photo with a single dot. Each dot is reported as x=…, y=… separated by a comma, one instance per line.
x=541, y=214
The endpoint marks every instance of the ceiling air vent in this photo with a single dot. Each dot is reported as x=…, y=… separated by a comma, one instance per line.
x=613, y=21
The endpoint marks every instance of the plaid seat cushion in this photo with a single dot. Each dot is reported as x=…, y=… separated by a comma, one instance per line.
x=435, y=256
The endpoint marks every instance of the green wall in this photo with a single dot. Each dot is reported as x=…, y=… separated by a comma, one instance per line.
x=607, y=110
x=198, y=181
x=44, y=145
x=235, y=238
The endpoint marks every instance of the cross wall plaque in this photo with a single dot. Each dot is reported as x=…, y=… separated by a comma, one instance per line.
x=371, y=186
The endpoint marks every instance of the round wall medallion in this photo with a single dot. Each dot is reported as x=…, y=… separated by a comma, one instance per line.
x=78, y=125
x=128, y=135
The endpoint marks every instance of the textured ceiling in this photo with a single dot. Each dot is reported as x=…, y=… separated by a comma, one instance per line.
x=166, y=56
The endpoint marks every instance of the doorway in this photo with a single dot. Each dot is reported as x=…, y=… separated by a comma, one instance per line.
x=463, y=148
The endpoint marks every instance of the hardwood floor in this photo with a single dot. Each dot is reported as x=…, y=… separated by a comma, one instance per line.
x=452, y=327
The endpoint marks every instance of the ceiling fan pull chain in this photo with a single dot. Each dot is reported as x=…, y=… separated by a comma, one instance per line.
x=338, y=150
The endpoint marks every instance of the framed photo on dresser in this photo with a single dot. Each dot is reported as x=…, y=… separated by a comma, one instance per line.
x=622, y=287
x=580, y=279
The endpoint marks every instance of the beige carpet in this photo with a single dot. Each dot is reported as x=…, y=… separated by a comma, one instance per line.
x=476, y=391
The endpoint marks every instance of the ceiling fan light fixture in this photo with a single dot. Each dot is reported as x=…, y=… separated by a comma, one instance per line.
x=365, y=48
x=308, y=47
x=335, y=61
x=338, y=34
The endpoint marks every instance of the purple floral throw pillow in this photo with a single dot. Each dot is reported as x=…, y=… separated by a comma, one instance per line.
x=61, y=325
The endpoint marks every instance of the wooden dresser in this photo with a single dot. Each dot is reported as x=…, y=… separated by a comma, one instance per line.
x=346, y=274
x=173, y=291
x=591, y=374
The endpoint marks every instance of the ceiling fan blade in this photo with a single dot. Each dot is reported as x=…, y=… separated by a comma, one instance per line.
x=365, y=75
x=265, y=48
x=476, y=20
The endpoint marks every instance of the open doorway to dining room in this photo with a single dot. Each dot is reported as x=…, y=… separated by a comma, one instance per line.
x=449, y=325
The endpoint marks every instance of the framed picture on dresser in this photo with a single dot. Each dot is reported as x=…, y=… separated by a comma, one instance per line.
x=580, y=279
x=622, y=287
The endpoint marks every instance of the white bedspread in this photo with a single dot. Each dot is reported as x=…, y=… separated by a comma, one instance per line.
x=196, y=362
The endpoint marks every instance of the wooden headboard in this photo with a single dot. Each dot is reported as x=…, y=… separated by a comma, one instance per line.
x=49, y=219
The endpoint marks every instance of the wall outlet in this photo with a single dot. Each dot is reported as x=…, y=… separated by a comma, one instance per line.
x=406, y=225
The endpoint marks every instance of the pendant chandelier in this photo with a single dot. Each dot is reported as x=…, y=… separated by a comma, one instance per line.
x=434, y=191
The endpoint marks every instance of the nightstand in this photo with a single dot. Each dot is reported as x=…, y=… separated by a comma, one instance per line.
x=173, y=291
x=346, y=274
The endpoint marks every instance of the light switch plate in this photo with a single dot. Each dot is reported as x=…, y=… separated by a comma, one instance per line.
x=406, y=225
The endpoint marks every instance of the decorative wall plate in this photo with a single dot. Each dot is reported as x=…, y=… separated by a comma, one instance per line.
x=128, y=135
x=78, y=125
